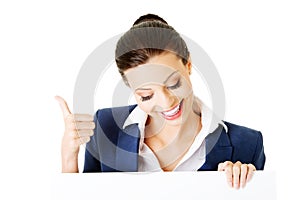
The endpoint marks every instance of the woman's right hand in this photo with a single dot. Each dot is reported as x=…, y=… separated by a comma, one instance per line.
x=78, y=130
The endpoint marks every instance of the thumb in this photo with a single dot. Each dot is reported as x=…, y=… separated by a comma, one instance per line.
x=63, y=105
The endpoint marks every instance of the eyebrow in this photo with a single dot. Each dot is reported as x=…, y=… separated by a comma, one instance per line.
x=163, y=82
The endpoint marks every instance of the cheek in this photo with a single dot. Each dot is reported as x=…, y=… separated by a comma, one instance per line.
x=144, y=106
x=184, y=91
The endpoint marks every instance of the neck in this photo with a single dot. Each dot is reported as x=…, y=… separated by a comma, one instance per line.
x=183, y=134
x=172, y=142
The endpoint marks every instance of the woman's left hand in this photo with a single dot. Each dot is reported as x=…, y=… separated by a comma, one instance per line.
x=237, y=174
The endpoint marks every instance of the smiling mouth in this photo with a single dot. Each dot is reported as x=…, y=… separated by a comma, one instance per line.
x=173, y=113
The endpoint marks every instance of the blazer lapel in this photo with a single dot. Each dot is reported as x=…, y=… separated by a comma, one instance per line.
x=218, y=149
x=127, y=149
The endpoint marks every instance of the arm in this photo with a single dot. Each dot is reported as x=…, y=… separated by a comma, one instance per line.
x=78, y=129
x=259, y=157
x=91, y=157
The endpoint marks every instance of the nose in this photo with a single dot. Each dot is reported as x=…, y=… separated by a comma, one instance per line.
x=165, y=100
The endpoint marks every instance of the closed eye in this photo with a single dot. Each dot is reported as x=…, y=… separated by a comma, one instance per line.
x=146, y=98
x=177, y=85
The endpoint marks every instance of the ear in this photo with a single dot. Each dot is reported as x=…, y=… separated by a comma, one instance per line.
x=189, y=65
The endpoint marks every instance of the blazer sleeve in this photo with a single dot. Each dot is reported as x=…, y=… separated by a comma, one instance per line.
x=91, y=157
x=259, y=157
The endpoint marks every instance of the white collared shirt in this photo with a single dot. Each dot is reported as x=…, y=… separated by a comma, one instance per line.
x=194, y=157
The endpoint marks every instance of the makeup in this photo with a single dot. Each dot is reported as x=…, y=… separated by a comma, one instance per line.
x=148, y=74
x=173, y=113
x=162, y=90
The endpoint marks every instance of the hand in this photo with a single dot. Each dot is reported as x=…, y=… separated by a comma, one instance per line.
x=237, y=174
x=78, y=129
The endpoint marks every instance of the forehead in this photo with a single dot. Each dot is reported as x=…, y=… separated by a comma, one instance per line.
x=149, y=74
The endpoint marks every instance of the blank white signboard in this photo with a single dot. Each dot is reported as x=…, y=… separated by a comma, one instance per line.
x=160, y=185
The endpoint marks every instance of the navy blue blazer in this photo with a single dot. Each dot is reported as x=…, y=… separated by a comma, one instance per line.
x=114, y=149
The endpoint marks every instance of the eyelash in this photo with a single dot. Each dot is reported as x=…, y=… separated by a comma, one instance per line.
x=146, y=98
x=173, y=87
x=177, y=85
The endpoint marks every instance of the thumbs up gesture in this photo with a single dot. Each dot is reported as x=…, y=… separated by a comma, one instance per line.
x=78, y=130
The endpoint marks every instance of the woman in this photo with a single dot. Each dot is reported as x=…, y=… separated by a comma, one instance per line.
x=169, y=129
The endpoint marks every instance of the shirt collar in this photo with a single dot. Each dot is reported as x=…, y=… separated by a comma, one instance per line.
x=137, y=116
x=210, y=121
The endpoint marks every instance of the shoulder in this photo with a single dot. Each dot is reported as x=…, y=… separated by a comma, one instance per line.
x=109, y=121
x=242, y=135
x=247, y=145
x=116, y=113
x=112, y=119
x=238, y=130
x=112, y=110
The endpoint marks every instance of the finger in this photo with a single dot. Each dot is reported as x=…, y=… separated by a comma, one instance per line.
x=76, y=118
x=83, y=140
x=83, y=117
x=228, y=172
x=221, y=167
x=84, y=125
x=224, y=165
x=72, y=134
x=251, y=169
x=227, y=167
x=244, y=172
x=71, y=126
x=63, y=106
x=85, y=133
x=236, y=174
x=73, y=119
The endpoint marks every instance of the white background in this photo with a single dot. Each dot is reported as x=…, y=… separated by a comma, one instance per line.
x=255, y=46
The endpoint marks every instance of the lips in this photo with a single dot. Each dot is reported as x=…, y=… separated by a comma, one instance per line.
x=174, y=113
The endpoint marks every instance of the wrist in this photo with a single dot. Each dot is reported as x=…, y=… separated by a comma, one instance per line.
x=70, y=164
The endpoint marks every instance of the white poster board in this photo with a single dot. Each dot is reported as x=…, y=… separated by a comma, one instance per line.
x=170, y=185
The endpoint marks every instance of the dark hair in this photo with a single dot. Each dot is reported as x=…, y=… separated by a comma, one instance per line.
x=149, y=36
x=149, y=17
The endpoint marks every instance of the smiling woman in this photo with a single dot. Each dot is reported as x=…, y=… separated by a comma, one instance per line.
x=169, y=129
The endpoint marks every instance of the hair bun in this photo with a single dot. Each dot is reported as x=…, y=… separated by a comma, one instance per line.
x=149, y=17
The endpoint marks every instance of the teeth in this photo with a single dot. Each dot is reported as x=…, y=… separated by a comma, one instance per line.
x=173, y=111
